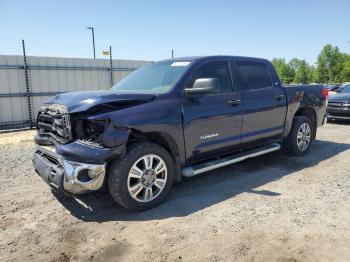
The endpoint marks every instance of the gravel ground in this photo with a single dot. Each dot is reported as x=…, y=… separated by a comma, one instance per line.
x=272, y=208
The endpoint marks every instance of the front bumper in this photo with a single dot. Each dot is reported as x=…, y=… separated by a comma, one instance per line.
x=338, y=114
x=68, y=176
x=338, y=117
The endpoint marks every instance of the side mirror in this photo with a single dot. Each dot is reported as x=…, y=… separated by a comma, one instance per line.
x=203, y=86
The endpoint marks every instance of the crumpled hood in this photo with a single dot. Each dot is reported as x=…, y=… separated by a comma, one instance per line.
x=339, y=97
x=85, y=100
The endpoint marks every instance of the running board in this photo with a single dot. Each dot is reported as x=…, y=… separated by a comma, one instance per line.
x=214, y=164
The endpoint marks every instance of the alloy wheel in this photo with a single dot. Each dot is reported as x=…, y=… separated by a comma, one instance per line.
x=304, y=136
x=147, y=178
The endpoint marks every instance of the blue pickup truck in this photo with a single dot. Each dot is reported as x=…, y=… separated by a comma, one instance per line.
x=174, y=118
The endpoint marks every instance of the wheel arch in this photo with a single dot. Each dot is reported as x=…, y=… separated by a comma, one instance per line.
x=307, y=111
x=310, y=113
x=162, y=139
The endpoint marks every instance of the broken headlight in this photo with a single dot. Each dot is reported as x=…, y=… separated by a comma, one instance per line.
x=93, y=130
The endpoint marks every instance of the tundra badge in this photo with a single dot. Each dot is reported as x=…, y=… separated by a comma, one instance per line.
x=209, y=136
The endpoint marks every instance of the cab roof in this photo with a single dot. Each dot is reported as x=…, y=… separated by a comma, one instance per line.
x=213, y=57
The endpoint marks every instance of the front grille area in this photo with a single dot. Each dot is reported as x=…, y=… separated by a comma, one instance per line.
x=335, y=104
x=339, y=105
x=343, y=113
x=53, y=120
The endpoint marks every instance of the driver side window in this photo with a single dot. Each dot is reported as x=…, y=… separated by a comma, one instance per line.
x=217, y=69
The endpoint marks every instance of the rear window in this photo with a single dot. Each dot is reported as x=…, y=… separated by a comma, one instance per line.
x=253, y=75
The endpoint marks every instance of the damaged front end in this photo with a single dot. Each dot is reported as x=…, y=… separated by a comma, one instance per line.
x=75, y=147
x=71, y=177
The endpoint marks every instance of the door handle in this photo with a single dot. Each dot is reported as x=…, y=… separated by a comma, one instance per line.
x=234, y=102
x=278, y=96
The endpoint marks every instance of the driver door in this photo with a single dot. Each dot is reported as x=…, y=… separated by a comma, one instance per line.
x=212, y=122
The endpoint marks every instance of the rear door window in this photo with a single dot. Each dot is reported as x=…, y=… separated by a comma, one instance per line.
x=253, y=75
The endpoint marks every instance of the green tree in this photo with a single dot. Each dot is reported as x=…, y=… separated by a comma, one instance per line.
x=301, y=72
x=345, y=73
x=321, y=72
x=312, y=74
x=294, y=63
x=285, y=73
x=332, y=66
x=327, y=61
x=342, y=68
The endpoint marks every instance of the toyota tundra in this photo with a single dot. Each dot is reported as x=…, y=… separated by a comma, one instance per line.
x=172, y=119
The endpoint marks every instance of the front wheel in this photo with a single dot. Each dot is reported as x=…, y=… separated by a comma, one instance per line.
x=142, y=178
x=300, y=136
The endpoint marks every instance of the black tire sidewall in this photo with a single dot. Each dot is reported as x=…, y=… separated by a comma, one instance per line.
x=292, y=144
x=119, y=170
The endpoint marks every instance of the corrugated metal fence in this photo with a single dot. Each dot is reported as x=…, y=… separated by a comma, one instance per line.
x=27, y=83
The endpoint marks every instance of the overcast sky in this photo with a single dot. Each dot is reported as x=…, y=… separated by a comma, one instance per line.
x=150, y=29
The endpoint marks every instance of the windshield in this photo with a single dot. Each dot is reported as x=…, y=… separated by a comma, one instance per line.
x=154, y=78
x=345, y=90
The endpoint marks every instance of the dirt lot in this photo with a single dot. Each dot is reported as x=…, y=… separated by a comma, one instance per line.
x=273, y=208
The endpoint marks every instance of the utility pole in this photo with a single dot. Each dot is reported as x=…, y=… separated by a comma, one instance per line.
x=172, y=53
x=93, y=39
x=110, y=65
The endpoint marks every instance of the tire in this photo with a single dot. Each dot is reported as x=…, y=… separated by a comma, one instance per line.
x=124, y=179
x=293, y=142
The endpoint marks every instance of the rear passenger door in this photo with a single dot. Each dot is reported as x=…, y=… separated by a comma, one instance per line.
x=264, y=102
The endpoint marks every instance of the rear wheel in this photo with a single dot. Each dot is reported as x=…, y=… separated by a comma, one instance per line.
x=142, y=178
x=300, y=136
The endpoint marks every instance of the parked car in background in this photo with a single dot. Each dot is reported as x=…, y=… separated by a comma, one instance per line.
x=342, y=86
x=332, y=88
x=339, y=105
